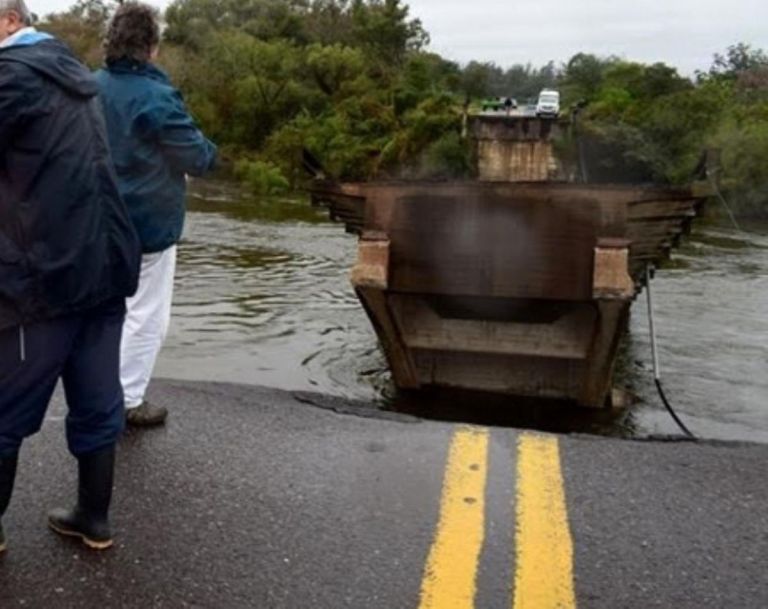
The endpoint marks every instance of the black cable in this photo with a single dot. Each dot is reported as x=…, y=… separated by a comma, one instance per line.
x=671, y=410
x=649, y=274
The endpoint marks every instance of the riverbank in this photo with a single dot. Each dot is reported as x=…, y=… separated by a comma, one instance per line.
x=255, y=497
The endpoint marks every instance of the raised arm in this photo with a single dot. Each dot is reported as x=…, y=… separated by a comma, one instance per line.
x=183, y=144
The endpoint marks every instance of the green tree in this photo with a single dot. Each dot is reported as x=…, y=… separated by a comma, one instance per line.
x=253, y=86
x=335, y=68
x=329, y=22
x=476, y=81
x=191, y=22
x=744, y=151
x=737, y=59
x=83, y=26
x=351, y=80
x=525, y=82
x=384, y=29
x=583, y=76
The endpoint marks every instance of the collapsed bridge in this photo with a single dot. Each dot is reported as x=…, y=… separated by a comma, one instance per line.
x=518, y=282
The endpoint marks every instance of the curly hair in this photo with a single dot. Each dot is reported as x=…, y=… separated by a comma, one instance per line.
x=133, y=33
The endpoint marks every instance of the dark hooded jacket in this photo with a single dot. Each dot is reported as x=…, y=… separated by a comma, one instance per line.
x=66, y=241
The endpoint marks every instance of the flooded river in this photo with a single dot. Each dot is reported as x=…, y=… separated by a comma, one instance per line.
x=263, y=297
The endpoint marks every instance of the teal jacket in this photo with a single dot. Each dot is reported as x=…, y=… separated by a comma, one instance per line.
x=155, y=145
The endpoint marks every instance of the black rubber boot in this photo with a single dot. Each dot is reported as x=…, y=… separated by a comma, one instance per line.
x=7, y=478
x=89, y=521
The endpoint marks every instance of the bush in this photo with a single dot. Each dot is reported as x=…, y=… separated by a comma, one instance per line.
x=744, y=148
x=261, y=178
x=448, y=157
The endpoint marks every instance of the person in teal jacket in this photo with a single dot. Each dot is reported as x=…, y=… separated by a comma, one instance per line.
x=155, y=145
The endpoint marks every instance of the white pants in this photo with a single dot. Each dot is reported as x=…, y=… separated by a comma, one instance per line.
x=147, y=319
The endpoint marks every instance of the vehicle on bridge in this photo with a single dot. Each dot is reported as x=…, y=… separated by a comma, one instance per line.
x=548, y=105
x=499, y=104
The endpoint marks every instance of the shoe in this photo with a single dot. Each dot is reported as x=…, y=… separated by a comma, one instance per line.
x=7, y=479
x=89, y=521
x=146, y=415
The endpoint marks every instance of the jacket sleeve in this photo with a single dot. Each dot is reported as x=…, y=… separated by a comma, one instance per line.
x=184, y=146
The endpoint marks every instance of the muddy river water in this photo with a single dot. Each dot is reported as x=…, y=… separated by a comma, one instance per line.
x=263, y=297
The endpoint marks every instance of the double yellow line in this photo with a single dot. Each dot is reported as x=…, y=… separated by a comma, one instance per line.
x=449, y=578
x=544, y=549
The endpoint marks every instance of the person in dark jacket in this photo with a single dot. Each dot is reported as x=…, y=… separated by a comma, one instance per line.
x=155, y=145
x=69, y=256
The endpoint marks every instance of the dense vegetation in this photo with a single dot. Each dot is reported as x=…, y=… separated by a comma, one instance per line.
x=353, y=81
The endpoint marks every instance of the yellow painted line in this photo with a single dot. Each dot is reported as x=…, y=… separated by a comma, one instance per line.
x=451, y=572
x=544, y=567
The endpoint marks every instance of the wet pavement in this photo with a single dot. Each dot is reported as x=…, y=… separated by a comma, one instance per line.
x=255, y=497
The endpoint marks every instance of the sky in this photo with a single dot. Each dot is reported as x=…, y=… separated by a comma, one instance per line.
x=683, y=33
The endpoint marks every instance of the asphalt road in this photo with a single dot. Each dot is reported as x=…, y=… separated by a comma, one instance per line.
x=258, y=498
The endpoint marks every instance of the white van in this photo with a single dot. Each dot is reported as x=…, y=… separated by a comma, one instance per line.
x=548, y=104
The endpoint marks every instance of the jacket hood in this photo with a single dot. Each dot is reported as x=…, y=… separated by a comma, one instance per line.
x=55, y=61
x=140, y=68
